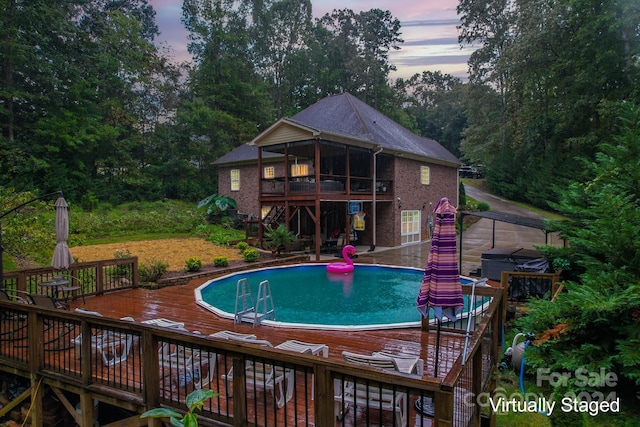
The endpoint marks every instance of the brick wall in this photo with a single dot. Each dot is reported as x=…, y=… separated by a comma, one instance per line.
x=414, y=195
x=406, y=185
x=247, y=197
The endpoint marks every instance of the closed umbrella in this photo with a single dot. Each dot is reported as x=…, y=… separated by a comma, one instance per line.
x=441, y=288
x=62, y=255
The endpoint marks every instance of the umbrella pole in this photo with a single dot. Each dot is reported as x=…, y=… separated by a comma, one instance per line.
x=435, y=374
x=472, y=304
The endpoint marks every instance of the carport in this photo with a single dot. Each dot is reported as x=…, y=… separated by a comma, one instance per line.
x=503, y=217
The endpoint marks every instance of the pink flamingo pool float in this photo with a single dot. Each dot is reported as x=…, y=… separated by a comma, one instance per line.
x=347, y=265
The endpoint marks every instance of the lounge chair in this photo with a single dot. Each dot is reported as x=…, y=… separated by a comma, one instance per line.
x=296, y=346
x=371, y=395
x=274, y=379
x=114, y=347
x=230, y=335
x=192, y=366
x=406, y=363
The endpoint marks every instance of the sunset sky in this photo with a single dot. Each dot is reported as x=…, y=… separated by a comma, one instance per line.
x=428, y=30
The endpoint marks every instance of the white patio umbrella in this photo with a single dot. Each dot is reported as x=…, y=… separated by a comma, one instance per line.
x=62, y=255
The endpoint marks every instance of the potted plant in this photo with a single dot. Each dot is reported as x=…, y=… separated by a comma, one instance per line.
x=195, y=400
x=278, y=238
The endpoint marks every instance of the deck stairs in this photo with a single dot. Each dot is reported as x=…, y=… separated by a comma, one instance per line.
x=275, y=217
x=246, y=310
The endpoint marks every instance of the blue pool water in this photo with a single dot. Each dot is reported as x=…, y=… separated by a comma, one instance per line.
x=307, y=296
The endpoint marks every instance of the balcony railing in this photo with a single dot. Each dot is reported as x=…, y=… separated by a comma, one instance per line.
x=335, y=184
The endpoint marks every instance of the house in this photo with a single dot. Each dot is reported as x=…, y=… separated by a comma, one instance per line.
x=340, y=172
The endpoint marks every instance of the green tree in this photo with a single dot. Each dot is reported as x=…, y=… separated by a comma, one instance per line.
x=358, y=50
x=227, y=103
x=550, y=65
x=278, y=33
x=437, y=102
x=597, y=317
x=83, y=99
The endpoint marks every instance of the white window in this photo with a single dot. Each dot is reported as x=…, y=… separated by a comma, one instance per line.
x=410, y=227
x=424, y=175
x=299, y=170
x=235, y=179
x=269, y=172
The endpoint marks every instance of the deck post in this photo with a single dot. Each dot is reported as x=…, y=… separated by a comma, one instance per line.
x=37, y=394
x=87, y=409
x=476, y=382
x=99, y=278
x=149, y=346
x=36, y=356
x=424, y=324
x=443, y=403
x=324, y=396
x=239, y=385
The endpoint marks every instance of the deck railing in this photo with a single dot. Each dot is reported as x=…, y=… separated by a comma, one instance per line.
x=138, y=367
x=520, y=286
x=93, y=278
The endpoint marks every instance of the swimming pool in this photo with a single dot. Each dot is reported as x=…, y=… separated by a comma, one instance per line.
x=307, y=296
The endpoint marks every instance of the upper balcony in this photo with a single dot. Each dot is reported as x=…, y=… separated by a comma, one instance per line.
x=323, y=169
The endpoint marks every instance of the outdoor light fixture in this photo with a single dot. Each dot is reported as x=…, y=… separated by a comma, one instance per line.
x=399, y=203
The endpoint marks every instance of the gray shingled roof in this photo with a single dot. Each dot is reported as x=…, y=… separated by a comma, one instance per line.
x=345, y=114
x=244, y=153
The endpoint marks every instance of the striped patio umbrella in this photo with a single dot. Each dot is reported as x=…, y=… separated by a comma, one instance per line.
x=441, y=288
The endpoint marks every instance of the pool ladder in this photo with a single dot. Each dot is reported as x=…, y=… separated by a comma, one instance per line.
x=246, y=311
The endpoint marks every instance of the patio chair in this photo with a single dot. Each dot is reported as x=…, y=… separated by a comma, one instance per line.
x=14, y=323
x=274, y=379
x=370, y=395
x=114, y=347
x=55, y=330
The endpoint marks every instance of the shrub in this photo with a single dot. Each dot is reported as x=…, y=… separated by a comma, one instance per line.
x=121, y=270
x=221, y=261
x=152, y=271
x=242, y=246
x=251, y=255
x=221, y=236
x=202, y=230
x=122, y=253
x=483, y=206
x=193, y=264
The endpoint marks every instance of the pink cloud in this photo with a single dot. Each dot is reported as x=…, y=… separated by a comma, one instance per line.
x=425, y=23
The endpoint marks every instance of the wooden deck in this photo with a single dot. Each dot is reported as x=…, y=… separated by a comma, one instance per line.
x=85, y=376
x=178, y=303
